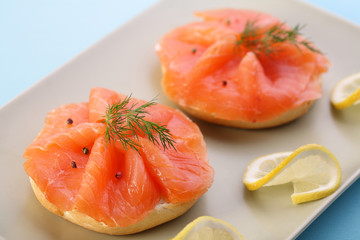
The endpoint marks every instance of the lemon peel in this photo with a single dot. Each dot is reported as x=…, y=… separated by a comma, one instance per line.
x=208, y=228
x=346, y=92
x=312, y=169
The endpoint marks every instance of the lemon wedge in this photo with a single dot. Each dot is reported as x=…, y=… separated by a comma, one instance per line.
x=346, y=92
x=312, y=169
x=208, y=228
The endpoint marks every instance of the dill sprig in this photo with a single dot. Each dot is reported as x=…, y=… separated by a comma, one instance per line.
x=262, y=41
x=125, y=122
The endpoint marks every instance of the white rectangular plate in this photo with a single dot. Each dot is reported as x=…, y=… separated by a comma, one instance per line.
x=125, y=61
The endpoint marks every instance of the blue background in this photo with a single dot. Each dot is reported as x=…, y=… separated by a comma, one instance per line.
x=38, y=36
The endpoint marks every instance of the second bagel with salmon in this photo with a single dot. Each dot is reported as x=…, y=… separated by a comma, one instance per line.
x=241, y=68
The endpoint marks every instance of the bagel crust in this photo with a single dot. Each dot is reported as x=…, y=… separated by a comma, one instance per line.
x=286, y=117
x=162, y=213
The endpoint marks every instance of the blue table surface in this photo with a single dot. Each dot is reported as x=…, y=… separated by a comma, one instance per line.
x=38, y=36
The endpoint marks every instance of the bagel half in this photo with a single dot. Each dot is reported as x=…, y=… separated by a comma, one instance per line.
x=230, y=68
x=162, y=213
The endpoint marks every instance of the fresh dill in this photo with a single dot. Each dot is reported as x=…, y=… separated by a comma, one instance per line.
x=125, y=121
x=259, y=40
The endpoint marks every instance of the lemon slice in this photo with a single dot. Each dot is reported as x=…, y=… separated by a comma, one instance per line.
x=313, y=170
x=346, y=92
x=208, y=228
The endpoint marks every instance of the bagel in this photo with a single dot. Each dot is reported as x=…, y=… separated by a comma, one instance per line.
x=107, y=187
x=227, y=69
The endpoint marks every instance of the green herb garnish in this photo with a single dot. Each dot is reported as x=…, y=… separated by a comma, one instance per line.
x=261, y=41
x=125, y=122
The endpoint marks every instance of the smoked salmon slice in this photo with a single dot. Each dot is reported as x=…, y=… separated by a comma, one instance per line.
x=77, y=169
x=217, y=68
